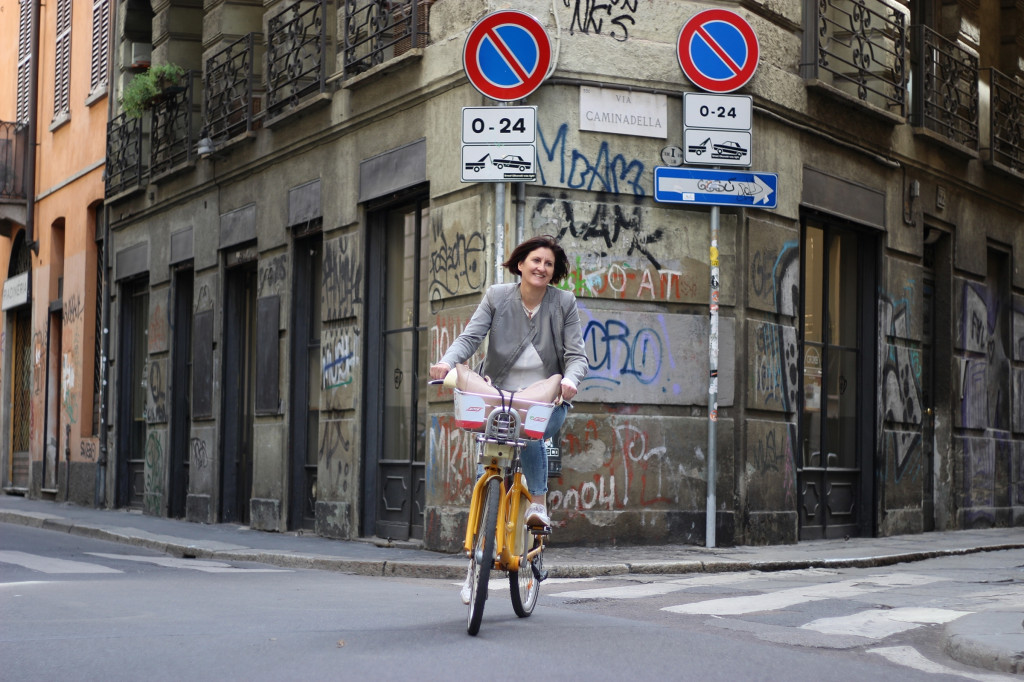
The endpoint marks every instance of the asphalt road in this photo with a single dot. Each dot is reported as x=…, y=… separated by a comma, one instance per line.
x=85, y=609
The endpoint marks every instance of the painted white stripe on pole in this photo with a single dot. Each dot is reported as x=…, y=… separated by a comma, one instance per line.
x=45, y=564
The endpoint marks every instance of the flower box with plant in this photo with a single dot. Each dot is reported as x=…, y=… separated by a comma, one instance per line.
x=148, y=86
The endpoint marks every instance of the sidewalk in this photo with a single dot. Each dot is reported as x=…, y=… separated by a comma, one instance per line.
x=993, y=639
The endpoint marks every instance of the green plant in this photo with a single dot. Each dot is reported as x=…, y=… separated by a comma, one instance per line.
x=144, y=87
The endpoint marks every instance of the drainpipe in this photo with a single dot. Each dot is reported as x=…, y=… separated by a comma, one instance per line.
x=99, y=498
x=33, y=115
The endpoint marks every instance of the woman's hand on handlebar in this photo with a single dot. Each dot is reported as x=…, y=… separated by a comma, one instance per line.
x=439, y=371
x=568, y=391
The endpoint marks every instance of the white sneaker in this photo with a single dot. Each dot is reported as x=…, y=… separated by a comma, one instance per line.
x=467, y=586
x=537, y=515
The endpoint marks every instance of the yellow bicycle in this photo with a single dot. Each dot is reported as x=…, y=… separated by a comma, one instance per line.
x=497, y=534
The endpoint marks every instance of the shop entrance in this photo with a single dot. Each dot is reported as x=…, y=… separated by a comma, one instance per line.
x=396, y=371
x=837, y=338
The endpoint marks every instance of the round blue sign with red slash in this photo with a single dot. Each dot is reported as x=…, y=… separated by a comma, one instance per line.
x=507, y=55
x=718, y=50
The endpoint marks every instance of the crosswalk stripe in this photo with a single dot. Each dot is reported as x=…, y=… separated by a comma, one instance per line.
x=191, y=564
x=44, y=564
x=911, y=658
x=881, y=623
x=781, y=599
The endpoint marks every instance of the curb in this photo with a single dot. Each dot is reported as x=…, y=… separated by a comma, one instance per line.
x=989, y=640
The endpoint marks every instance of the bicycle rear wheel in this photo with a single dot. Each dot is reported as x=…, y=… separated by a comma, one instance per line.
x=482, y=559
x=523, y=584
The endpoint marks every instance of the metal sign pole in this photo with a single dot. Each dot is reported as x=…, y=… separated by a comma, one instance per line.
x=499, y=227
x=713, y=385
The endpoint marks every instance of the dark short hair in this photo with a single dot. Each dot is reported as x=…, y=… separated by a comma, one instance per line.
x=544, y=241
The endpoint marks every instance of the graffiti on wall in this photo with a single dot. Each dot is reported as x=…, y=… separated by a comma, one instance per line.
x=627, y=462
x=645, y=358
x=339, y=361
x=156, y=390
x=770, y=469
x=458, y=261
x=773, y=377
x=452, y=453
x=619, y=252
x=343, y=277
x=90, y=449
x=70, y=395
x=612, y=17
x=272, y=276
x=336, y=459
x=901, y=390
x=606, y=171
x=72, y=309
x=985, y=382
x=154, y=473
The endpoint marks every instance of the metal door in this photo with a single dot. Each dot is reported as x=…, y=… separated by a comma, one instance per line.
x=131, y=487
x=306, y=383
x=181, y=391
x=837, y=406
x=396, y=373
x=239, y=393
x=21, y=397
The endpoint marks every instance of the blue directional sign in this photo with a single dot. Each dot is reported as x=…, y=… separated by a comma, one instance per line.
x=715, y=187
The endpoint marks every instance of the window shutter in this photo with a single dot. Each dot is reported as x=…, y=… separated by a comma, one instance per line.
x=62, y=61
x=24, y=58
x=100, y=30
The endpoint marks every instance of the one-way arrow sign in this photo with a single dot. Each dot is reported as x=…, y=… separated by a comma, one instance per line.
x=715, y=187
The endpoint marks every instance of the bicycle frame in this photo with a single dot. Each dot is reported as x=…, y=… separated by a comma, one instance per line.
x=509, y=534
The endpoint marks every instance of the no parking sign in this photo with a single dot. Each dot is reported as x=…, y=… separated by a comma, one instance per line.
x=507, y=55
x=718, y=50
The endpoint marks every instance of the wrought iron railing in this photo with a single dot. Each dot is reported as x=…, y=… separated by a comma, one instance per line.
x=296, y=55
x=13, y=145
x=173, y=139
x=945, y=88
x=230, y=102
x=858, y=47
x=1006, y=120
x=124, y=167
x=378, y=30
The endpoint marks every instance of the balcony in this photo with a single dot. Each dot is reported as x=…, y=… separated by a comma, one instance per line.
x=13, y=146
x=296, y=56
x=945, y=92
x=1005, y=121
x=856, y=49
x=125, y=170
x=173, y=139
x=376, y=31
x=230, y=103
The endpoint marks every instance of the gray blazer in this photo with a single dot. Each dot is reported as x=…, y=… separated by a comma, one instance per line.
x=555, y=331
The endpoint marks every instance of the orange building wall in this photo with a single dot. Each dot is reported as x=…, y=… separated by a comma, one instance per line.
x=69, y=185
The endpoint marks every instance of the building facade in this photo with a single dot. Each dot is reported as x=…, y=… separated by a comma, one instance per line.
x=292, y=243
x=52, y=157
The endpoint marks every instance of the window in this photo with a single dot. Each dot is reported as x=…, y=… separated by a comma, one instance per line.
x=24, y=57
x=62, y=62
x=100, y=30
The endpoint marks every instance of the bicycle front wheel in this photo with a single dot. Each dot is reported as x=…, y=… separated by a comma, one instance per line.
x=523, y=584
x=482, y=559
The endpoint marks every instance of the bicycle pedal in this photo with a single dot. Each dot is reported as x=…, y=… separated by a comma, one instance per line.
x=539, y=572
x=540, y=529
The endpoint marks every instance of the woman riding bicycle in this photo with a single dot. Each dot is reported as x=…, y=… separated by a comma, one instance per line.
x=535, y=332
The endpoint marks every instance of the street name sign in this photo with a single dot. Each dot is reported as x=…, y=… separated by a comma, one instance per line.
x=715, y=187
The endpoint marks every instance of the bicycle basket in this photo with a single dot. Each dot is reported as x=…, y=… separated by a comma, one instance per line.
x=472, y=411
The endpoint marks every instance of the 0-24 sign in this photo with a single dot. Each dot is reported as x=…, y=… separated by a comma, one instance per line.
x=499, y=125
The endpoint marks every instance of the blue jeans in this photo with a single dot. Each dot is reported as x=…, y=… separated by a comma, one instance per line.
x=533, y=458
